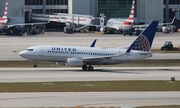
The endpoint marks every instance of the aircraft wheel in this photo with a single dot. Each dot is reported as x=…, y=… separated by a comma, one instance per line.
x=35, y=66
x=124, y=33
x=84, y=67
x=90, y=68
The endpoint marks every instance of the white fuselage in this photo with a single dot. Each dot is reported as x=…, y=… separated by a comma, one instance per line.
x=56, y=53
x=118, y=24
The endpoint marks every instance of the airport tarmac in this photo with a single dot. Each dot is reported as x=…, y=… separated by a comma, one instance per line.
x=12, y=45
x=99, y=74
x=89, y=99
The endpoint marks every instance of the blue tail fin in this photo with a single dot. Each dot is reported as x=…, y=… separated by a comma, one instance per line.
x=145, y=39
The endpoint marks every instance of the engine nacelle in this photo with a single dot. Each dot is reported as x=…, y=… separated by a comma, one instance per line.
x=74, y=62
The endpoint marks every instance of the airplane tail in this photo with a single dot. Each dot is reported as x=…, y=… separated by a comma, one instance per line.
x=144, y=41
x=5, y=10
x=131, y=16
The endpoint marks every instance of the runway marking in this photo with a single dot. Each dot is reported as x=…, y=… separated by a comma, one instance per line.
x=122, y=78
x=79, y=79
x=16, y=51
x=168, y=57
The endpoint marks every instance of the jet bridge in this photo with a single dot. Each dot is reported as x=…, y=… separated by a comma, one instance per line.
x=73, y=21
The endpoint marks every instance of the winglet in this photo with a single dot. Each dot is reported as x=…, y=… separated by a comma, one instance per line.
x=144, y=41
x=93, y=44
x=173, y=20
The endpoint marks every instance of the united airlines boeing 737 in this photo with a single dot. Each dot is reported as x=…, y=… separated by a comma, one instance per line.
x=85, y=57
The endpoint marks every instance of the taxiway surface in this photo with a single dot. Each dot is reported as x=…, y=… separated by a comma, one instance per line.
x=76, y=74
x=12, y=45
x=90, y=99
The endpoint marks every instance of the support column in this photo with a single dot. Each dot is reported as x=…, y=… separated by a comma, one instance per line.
x=44, y=6
x=167, y=11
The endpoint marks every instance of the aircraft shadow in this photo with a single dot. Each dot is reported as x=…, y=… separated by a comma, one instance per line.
x=99, y=70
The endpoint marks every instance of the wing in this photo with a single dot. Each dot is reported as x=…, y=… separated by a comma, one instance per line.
x=145, y=25
x=27, y=24
x=100, y=58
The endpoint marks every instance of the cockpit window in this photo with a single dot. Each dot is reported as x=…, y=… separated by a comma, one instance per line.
x=29, y=49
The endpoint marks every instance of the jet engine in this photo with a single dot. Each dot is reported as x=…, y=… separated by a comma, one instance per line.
x=74, y=62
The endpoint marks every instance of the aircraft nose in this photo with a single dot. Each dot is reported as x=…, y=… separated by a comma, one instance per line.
x=22, y=53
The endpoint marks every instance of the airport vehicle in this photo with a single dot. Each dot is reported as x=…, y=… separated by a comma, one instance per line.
x=4, y=26
x=78, y=56
x=167, y=46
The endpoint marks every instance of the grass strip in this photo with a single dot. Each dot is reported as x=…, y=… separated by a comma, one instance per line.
x=142, y=63
x=91, y=86
x=163, y=106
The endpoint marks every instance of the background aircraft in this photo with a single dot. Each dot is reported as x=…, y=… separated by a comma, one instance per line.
x=78, y=56
x=117, y=25
x=4, y=20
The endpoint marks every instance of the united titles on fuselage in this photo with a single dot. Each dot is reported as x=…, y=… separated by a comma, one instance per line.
x=63, y=49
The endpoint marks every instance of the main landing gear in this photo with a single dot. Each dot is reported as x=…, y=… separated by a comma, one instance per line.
x=35, y=65
x=85, y=68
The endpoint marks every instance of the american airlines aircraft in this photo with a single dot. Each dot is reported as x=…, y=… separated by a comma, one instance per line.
x=4, y=20
x=118, y=24
x=85, y=57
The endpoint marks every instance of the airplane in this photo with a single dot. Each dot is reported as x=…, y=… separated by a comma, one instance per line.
x=4, y=20
x=85, y=57
x=118, y=24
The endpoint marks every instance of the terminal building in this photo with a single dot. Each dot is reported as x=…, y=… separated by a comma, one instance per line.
x=145, y=10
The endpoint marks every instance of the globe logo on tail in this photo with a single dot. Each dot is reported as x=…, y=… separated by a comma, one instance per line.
x=141, y=44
